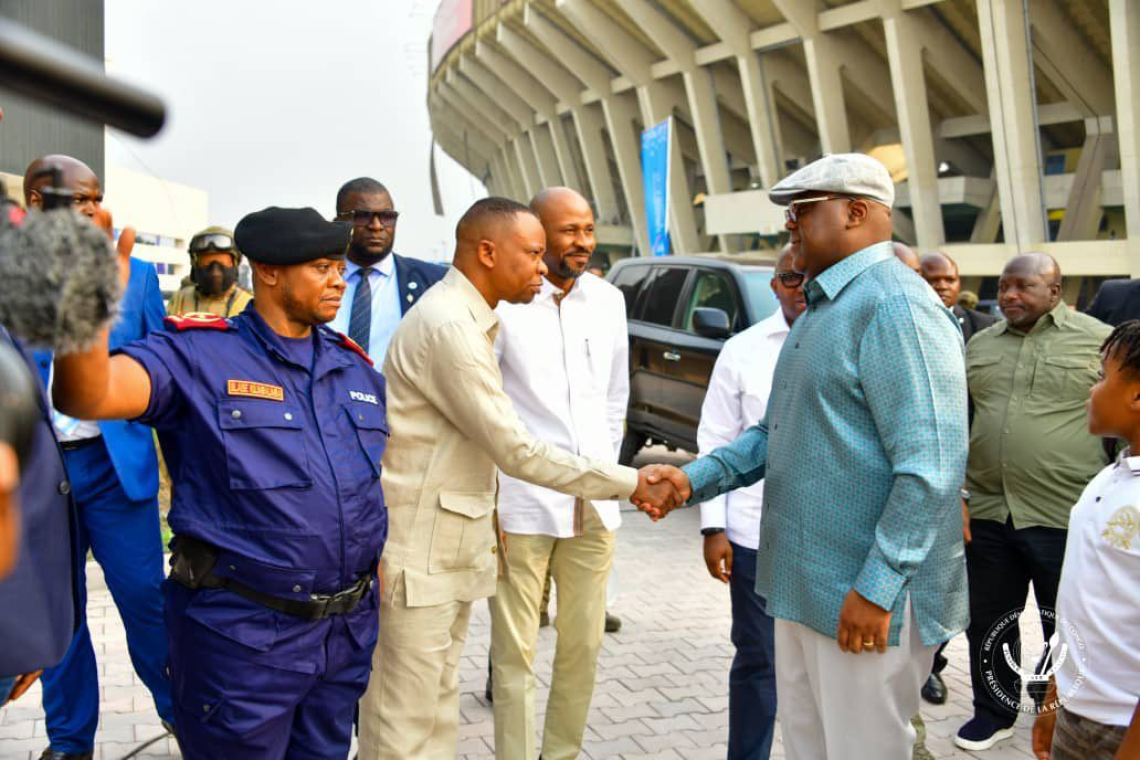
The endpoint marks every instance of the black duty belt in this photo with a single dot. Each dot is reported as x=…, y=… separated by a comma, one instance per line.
x=192, y=565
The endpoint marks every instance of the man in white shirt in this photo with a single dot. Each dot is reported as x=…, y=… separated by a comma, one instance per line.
x=565, y=366
x=737, y=399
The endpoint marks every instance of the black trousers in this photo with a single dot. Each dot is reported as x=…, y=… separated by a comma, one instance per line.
x=1001, y=562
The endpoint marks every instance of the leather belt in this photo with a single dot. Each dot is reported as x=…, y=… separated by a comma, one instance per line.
x=192, y=565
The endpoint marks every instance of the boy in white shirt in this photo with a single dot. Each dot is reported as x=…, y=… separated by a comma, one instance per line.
x=1092, y=710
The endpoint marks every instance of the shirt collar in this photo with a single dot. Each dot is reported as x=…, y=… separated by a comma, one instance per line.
x=1058, y=316
x=775, y=324
x=483, y=315
x=384, y=266
x=831, y=282
x=1131, y=462
x=550, y=291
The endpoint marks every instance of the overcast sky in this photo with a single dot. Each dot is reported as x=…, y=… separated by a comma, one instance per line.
x=279, y=102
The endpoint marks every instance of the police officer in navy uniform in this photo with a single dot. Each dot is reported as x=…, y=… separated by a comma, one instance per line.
x=273, y=427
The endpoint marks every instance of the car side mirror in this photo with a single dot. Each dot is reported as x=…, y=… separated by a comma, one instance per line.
x=711, y=323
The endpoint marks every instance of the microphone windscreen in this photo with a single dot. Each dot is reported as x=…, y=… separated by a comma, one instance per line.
x=59, y=280
x=19, y=403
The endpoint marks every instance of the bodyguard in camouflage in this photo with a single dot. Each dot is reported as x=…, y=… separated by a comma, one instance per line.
x=214, y=259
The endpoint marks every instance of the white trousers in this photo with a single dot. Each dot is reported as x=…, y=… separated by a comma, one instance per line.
x=839, y=706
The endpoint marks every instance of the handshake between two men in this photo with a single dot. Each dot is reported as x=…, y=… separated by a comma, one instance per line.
x=661, y=488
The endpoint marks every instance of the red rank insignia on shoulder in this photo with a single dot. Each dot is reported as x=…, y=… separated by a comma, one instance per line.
x=353, y=346
x=198, y=321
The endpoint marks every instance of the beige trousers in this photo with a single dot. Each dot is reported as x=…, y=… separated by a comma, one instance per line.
x=580, y=567
x=411, y=708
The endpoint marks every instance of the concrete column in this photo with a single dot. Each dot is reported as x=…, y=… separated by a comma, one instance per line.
x=1125, y=21
x=565, y=157
x=544, y=154
x=1017, y=150
x=620, y=113
x=909, y=84
x=656, y=102
x=733, y=26
x=511, y=164
x=1083, y=209
x=528, y=167
x=590, y=121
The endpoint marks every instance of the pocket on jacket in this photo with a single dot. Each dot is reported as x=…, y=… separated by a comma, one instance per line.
x=265, y=445
x=463, y=536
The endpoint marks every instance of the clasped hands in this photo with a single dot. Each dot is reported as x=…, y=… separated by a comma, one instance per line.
x=661, y=488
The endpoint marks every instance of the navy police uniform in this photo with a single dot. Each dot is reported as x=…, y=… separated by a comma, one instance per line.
x=273, y=446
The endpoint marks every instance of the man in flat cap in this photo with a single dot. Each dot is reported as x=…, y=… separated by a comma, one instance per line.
x=863, y=452
x=214, y=262
x=273, y=427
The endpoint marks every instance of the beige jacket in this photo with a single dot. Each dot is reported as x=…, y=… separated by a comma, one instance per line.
x=452, y=429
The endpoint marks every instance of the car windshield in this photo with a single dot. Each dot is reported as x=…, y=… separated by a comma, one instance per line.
x=760, y=293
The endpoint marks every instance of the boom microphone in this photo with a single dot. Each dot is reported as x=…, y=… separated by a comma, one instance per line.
x=59, y=280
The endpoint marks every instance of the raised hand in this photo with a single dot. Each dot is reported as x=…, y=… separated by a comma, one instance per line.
x=125, y=245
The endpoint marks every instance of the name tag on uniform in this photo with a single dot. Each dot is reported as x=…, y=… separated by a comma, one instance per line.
x=368, y=398
x=255, y=390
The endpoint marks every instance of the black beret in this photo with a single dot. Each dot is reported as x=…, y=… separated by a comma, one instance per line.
x=291, y=236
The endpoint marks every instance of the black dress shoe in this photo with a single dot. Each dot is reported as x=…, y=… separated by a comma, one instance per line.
x=51, y=754
x=613, y=623
x=934, y=690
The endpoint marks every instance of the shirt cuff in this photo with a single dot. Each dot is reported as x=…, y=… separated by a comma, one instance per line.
x=625, y=481
x=714, y=513
x=704, y=475
x=878, y=582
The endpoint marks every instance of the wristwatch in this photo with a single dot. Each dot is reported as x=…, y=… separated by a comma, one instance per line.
x=706, y=532
x=964, y=494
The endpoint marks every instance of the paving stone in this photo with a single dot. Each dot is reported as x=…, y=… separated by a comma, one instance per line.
x=662, y=689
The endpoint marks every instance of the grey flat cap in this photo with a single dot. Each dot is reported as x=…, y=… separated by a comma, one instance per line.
x=845, y=173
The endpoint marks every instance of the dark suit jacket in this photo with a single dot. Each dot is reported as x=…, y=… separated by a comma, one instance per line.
x=39, y=599
x=1116, y=302
x=972, y=322
x=130, y=445
x=414, y=278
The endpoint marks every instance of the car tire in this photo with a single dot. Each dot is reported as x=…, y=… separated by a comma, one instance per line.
x=633, y=443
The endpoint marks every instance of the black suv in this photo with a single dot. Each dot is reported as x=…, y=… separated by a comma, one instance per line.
x=681, y=310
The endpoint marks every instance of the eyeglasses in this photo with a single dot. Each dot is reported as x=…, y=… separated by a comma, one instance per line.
x=791, y=213
x=215, y=240
x=790, y=279
x=362, y=217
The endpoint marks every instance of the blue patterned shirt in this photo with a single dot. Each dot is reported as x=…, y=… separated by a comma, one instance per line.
x=863, y=452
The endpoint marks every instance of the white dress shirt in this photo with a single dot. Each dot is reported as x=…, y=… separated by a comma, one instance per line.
x=386, y=309
x=736, y=400
x=1098, y=600
x=566, y=369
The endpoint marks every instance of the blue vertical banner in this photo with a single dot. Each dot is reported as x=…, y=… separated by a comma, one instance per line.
x=655, y=167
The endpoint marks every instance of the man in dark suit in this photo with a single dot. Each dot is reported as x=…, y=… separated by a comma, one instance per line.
x=941, y=272
x=1116, y=302
x=382, y=285
x=112, y=468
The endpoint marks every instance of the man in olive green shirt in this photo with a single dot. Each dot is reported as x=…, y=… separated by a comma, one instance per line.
x=1031, y=456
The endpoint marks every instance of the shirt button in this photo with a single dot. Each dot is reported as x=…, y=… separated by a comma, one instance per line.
x=205, y=708
x=289, y=416
x=236, y=414
x=64, y=487
x=296, y=589
x=360, y=417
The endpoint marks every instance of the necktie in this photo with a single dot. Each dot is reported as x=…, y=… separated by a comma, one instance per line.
x=360, y=321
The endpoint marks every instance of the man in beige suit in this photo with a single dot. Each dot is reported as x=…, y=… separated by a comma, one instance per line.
x=452, y=430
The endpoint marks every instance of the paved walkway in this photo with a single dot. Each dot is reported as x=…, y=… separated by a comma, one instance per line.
x=662, y=688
